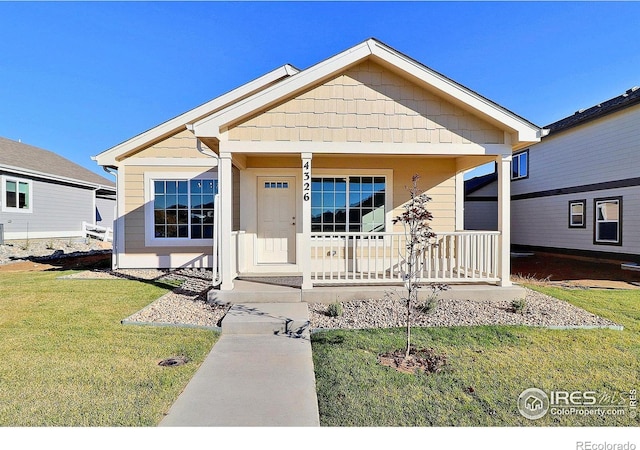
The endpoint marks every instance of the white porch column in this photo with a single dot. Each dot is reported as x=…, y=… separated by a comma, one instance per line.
x=459, y=201
x=304, y=248
x=504, y=218
x=225, y=187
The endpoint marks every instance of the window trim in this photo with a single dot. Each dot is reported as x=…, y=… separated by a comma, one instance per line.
x=149, y=231
x=582, y=202
x=518, y=155
x=3, y=194
x=595, y=222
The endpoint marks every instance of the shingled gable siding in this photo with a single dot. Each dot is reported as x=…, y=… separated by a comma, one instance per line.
x=367, y=103
x=179, y=147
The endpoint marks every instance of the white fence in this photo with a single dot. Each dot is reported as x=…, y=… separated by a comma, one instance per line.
x=366, y=258
x=102, y=233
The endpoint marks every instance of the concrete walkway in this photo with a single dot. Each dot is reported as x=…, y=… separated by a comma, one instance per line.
x=259, y=373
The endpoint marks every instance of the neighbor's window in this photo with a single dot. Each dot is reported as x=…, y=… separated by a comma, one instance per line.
x=17, y=195
x=184, y=208
x=520, y=165
x=577, y=213
x=608, y=221
x=342, y=204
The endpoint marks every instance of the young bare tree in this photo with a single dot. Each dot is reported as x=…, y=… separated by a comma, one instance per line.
x=419, y=236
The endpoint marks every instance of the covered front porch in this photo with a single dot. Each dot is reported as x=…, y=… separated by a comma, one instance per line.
x=277, y=228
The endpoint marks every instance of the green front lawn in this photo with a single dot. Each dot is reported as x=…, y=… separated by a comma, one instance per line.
x=67, y=360
x=488, y=368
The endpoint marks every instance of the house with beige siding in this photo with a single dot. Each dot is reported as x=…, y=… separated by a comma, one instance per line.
x=577, y=191
x=46, y=196
x=300, y=173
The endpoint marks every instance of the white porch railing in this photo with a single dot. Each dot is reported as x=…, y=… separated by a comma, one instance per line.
x=369, y=258
x=102, y=233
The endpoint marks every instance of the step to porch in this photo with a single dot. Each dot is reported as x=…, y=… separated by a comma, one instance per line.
x=267, y=318
x=251, y=292
x=255, y=292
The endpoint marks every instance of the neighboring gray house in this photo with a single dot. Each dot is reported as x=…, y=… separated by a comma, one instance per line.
x=481, y=202
x=578, y=190
x=43, y=195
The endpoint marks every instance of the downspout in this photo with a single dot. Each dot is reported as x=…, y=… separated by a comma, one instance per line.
x=216, y=261
x=116, y=238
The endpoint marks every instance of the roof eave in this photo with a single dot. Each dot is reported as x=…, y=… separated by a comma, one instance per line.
x=48, y=176
x=111, y=157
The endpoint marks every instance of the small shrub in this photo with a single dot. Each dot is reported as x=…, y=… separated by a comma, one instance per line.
x=334, y=309
x=519, y=305
x=429, y=306
x=432, y=302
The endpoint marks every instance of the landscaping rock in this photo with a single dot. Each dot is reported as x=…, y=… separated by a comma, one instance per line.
x=187, y=305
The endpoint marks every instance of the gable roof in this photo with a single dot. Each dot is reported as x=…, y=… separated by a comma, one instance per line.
x=207, y=119
x=629, y=98
x=109, y=157
x=26, y=159
x=212, y=125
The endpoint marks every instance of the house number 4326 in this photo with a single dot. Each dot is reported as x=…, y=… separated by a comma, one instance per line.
x=306, y=181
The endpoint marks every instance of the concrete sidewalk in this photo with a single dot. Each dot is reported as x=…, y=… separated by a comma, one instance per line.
x=253, y=379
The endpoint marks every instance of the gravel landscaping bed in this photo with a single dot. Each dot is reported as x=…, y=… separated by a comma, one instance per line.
x=184, y=305
x=540, y=310
x=187, y=305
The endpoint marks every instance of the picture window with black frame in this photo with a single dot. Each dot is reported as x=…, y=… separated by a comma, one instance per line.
x=184, y=208
x=348, y=204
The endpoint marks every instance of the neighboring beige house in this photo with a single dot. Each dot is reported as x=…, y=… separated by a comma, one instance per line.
x=310, y=167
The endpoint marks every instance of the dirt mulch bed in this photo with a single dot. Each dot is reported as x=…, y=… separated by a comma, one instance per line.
x=574, y=271
x=65, y=263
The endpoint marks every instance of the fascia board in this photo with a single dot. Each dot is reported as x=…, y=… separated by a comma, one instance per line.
x=48, y=176
x=211, y=125
x=109, y=157
x=526, y=130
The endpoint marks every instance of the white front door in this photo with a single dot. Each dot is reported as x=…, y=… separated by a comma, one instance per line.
x=276, y=220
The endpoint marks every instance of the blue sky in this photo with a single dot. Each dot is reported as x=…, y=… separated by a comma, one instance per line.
x=79, y=77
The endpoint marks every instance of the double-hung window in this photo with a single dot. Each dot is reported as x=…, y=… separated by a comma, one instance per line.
x=520, y=165
x=577, y=213
x=17, y=195
x=353, y=203
x=182, y=209
x=608, y=221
